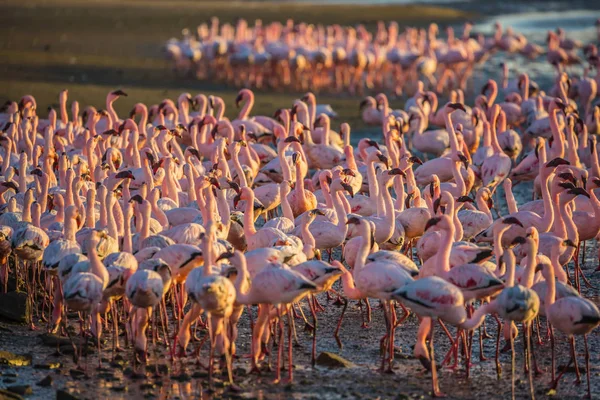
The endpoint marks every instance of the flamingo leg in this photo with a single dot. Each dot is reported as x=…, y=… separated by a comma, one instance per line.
x=336, y=334
x=512, y=366
x=497, y=358
x=587, y=366
x=530, y=374
x=313, y=358
x=435, y=388
x=290, y=349
x=279, y=346
x=553, y=359
x=574, y=355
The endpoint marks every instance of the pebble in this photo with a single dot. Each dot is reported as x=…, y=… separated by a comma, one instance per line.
x=14, y=360
x=23, y=390
x=47, y=381
x=331, y=360
x=7, y=395
x=48, y=365
x=14, y=306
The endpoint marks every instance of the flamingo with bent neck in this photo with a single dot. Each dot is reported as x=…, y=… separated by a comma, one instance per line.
x=300, y=199
x=378, y=279
x=256, y=238
x=256, y=125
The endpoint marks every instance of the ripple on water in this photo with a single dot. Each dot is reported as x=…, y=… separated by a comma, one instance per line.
x=577, y=23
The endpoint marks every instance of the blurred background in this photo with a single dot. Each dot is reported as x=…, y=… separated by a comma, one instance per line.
x=92, y=47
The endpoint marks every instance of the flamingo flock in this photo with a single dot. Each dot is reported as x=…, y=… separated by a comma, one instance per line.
x=186, y=220
x=353, y=60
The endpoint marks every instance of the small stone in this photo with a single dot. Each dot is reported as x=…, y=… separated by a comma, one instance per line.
x=14, y=306
x=77, y=373
x=48, y=365
x=14, y=360
x=64, y=395
x=331, y=360
x=47, y=381
x=7, y=395
x=23, y=390
x=51, y=339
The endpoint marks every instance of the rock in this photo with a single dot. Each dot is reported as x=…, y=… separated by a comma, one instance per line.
x=7, y=395
x=23, y=390
x=50, y=339
x=77, y=373
x=14, y=306
x=48, y=365
x=14, y=360
x=331, y=360
x=47, y=381
x=65, y=395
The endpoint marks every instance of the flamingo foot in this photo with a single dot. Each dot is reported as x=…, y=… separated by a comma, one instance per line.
x=425, y=362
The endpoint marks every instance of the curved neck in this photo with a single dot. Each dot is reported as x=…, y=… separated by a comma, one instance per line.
x=373, y=186
x=285, y=206
x=64, y=116
x=551, y=291
x=127, y=238
x=572, y=232
x=451, y=132
x=145, y=231
x=96, y=266
x=443, y=254
x=239, y=169
x=300, y=184
x=478, y=317
x=556, y=135
x=113, y=117
x=363, y=250
x=112, y=225
x=245, y=111
x=510, y=263
x=494, y=136
x=242, y=282
x=308, y=239
x=90, y=216
x=70, y=227
x=483, y=206
x=249, y=228
x=532, y=249
x=340, y=211
x=510, y=199
x=548, y=217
